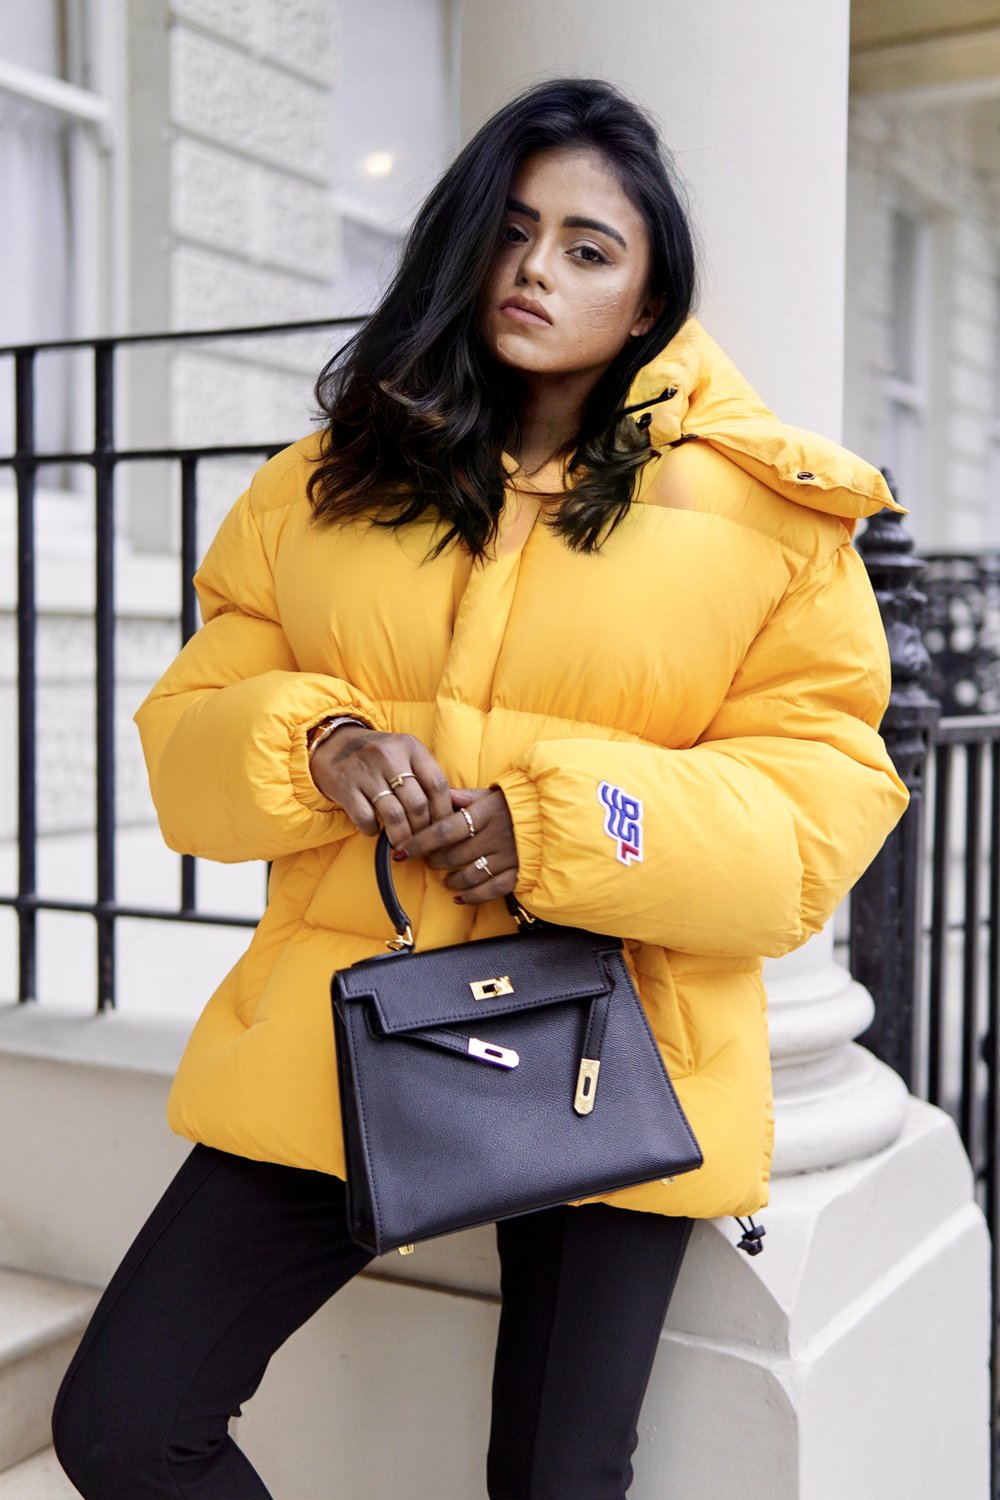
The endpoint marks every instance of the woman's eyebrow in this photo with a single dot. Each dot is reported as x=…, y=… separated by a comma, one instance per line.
x=573, y=221
x=576, y=222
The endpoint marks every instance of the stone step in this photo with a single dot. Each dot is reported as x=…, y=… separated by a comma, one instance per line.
x=41, y=1321
x=37, y=1478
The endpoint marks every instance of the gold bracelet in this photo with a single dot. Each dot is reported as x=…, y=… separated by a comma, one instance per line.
x=323, y=730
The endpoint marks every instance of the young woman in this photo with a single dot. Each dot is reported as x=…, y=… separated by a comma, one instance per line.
x=558, y=602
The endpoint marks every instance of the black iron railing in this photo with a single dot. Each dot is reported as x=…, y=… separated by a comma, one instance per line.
x=105, y=459
x=925, y=923
x=962, y=630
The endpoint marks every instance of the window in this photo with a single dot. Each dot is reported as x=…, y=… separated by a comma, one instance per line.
x=53, y=189
x=906, y=383
x=395, y=131
x=993, y=494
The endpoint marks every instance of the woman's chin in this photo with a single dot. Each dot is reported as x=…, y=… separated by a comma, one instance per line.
x=527, y=358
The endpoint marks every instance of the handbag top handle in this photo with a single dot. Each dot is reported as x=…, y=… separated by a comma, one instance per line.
x=404, y=940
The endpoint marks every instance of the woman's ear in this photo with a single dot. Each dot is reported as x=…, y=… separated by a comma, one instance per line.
x=651, y=309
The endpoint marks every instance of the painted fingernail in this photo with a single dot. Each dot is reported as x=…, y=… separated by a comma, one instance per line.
x=400, y=854
x=458, y=900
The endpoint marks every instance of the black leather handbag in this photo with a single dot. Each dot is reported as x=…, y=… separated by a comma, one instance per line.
x=494, y=1078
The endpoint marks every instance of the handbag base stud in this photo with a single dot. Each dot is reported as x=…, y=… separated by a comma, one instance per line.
x=404, y=1250
x=586, y=1085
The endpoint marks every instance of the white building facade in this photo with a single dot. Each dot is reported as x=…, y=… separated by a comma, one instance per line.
x=205, y=163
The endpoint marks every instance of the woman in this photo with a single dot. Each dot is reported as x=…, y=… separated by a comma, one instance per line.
x=557, y=601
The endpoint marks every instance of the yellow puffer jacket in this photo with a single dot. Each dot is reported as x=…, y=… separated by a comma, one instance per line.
x=720, y=662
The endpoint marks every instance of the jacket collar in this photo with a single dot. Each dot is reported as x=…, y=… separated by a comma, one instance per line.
x=692, y=389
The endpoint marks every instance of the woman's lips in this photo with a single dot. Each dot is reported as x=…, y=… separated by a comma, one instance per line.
x=523, y=315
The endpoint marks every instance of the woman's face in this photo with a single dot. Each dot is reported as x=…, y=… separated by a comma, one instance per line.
x=570, y=282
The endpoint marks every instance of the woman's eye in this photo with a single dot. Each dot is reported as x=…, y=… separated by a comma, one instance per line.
x=591, y=255
x=514, y=235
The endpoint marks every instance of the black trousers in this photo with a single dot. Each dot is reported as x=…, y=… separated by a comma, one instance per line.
x=238, y=1254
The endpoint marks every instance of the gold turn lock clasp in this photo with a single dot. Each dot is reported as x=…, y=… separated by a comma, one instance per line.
x=487, y=989
x=586, y=1085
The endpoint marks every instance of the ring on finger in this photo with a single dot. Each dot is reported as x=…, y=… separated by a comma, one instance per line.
x=480, y=864
x=396, y=781
x=468, y=818
x=385, y=793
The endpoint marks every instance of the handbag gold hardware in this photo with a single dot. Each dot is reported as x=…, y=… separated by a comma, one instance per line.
x=403, y=942
x=500, y=1057
x=487, y=989
x=586, y=1085
x=405, y=1250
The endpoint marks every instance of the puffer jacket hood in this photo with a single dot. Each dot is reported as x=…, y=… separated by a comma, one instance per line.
x=684, y=725
x=693, y=390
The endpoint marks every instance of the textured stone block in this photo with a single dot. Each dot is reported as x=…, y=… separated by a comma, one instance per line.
x=214, y=196
x=256, y=212
x=298, y=226
x=211, y=291
x=974, y=338
x=968, y=436
x=238, y=19
x=220, y=93
x=303, y=34
x=218, y=400
x=299, y=35
x=971, y=388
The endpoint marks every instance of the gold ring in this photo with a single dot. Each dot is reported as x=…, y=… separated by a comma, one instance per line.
x=395, y=781
x=377, y=795
x=480, y=864
x=468, y=818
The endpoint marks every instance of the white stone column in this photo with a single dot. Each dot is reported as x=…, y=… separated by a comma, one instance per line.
x=850, y=1358
x=752, y=102
x=834, y=1102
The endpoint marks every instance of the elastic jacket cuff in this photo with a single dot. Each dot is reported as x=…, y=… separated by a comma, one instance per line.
x=526, y=815
x=304, y=788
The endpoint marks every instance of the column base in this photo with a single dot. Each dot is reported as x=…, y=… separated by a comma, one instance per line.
x=851, y=1358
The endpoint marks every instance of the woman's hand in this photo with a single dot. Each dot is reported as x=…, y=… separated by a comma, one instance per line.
x=451, y=844
x=356, y=768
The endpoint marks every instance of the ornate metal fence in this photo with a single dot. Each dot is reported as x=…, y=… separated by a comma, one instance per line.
x=925, y=923
x=962, y=630
x=105, y=459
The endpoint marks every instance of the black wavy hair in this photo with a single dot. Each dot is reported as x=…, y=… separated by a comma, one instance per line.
x=417, y=413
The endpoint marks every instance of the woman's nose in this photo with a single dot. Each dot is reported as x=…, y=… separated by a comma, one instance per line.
x=535, y=268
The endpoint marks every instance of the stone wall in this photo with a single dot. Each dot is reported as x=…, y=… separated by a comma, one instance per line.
x=940, y=163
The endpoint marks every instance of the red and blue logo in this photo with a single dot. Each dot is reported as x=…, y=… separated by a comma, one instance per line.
x=622, y=821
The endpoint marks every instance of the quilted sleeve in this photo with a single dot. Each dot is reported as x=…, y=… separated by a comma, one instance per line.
x=224, y=730
x=745, y=843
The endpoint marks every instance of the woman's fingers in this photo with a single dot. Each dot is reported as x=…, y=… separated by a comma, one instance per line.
x=383, y=780
x=392, y=781
x=447, y=844
x=482, y=860
x=434, y=783
x=488, y=890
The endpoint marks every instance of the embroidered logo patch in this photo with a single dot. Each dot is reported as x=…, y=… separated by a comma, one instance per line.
x=622, y=821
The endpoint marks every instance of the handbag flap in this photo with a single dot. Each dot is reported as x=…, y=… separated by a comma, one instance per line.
x=488, y=977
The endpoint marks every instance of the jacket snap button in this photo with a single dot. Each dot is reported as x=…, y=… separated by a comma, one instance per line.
x=805, y=474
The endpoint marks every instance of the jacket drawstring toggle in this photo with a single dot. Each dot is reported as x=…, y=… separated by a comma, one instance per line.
x=752, y=1236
